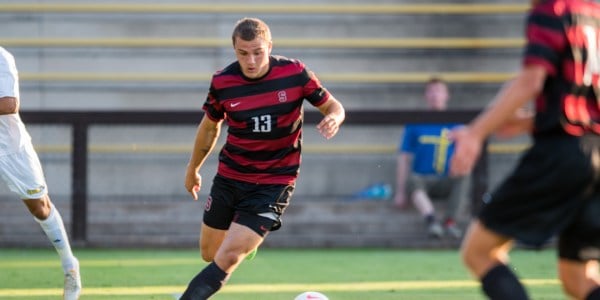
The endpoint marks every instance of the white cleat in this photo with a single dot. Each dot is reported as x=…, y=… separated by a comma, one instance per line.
x=72, y=283
x=435, y=230
x=454, y=231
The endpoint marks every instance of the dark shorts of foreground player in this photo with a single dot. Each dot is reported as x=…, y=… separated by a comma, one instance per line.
x=257, y=206
x=553, y=190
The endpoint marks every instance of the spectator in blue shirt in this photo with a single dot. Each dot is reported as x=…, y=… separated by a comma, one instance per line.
x=422, y=168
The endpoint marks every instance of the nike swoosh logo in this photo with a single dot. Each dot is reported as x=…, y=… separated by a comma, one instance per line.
x=235, y=104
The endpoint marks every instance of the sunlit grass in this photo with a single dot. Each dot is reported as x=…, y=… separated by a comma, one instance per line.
x=274, y=274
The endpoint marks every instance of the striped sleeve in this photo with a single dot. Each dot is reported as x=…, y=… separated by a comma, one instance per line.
x=213, y=108
x=546, y=39
x=313, y=90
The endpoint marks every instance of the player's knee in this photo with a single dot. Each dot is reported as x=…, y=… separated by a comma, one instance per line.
x=230, y=258
x=207, y=254
x=38, y=208
x=474, y=259
x=572, y=289
x=467, y=256
x=567, y=288
x=574, y=286
x=467, y=253
x=578, y=279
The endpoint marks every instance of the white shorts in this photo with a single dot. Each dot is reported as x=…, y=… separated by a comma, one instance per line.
x=23, y=174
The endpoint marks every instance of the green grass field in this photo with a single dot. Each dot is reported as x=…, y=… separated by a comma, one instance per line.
x=274, y=274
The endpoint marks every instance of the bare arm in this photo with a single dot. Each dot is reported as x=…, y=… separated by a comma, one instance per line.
x=525, y=87
x=334, y=114
x=9, y=105
x=520, y=123
x=206, y=138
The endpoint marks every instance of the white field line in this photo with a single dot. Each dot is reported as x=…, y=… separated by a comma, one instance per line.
x=271, y=288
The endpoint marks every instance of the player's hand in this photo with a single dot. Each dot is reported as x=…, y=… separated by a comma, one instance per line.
x=193, y=182
x=328, y=127
x=466, y=151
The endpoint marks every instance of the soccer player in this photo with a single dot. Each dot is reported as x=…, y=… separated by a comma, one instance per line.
x=260, y=96
x=20, y=168
x=422, y=167
x=555, y=188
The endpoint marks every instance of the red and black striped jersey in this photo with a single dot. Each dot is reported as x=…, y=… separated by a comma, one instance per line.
x=563, y=36
x=264, y=118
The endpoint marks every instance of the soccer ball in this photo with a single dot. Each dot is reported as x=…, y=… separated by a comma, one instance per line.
x=311, y=296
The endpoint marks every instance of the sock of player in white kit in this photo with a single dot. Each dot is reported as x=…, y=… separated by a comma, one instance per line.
x=54, y=228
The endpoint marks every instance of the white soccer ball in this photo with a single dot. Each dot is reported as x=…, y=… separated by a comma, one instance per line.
x=311, y=296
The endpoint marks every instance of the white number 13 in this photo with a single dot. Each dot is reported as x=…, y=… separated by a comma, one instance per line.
x=262, y=123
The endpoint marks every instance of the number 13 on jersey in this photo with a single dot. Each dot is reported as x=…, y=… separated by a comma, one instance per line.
x=262, y=123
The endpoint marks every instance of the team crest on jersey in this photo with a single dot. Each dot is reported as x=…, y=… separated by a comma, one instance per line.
x=208, y=203
x=282, y=96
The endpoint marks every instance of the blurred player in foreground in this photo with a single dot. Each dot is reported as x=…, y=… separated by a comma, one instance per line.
x=261, y=96
x=555, y=188
x=20, y=168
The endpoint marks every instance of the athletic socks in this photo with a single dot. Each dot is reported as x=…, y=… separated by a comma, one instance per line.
x=54, y=228
x=594, y=295
x=206, y=283
x=500, y=283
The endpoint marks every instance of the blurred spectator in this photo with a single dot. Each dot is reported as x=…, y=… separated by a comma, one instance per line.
x=422, y=168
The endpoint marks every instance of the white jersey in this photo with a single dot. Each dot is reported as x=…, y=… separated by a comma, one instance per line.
x=13, y=135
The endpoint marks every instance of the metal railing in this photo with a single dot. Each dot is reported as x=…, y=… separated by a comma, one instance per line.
x=80, y=121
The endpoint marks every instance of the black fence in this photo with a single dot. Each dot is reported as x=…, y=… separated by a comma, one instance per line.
x=80, y=121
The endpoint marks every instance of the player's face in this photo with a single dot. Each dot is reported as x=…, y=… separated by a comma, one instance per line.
x=253, y=56
x=436, y=95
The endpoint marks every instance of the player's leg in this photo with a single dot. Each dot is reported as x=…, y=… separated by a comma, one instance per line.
x=23, y=173
x=239, y=241
x=49, y=218
x=229, y=234
x=580, y=279
x=579, y=252
x=218, y=215
x=210, y=241
x=485, y=254
x=46, y=214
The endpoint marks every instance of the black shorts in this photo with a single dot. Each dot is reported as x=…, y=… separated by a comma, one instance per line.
x=549, y=194
x=581, y=240
x=257, y=206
